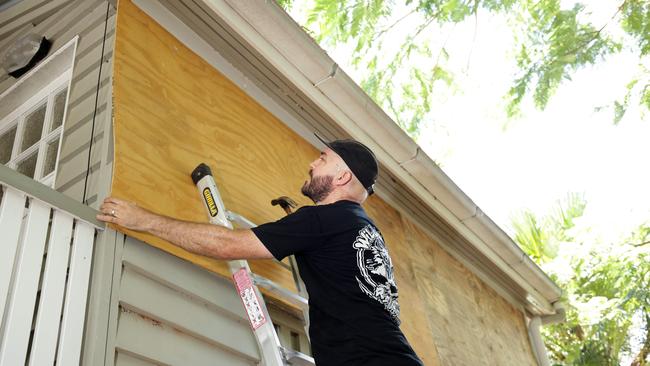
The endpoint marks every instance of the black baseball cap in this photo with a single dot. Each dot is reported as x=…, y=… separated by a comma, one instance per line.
x=359, y=158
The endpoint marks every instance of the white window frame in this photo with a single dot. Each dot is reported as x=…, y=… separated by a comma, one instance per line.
x=46, y=95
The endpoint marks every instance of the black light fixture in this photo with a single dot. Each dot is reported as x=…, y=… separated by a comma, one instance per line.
x=24, y=54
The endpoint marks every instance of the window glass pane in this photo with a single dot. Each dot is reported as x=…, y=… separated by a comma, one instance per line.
x=50, y=157
x=59, y=107
x=295, y=341
x=28, y=166
x=6, y=145
x=33, y=128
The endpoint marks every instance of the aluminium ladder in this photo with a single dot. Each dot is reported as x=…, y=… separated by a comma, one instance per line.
x=246, y=282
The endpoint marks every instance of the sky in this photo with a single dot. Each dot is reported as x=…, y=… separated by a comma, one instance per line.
x=506, y=166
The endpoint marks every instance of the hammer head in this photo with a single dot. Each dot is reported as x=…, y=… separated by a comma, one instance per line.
x=284, y=202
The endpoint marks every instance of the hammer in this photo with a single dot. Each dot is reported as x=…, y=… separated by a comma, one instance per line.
x=286, y=203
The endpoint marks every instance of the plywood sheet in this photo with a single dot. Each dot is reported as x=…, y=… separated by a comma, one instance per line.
x=413, y=306
x=173, y=111
x=469, y=322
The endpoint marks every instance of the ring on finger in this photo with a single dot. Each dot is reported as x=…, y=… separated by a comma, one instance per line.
x=113, y=213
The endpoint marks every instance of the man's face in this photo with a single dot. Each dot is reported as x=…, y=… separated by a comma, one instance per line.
x=322, y=172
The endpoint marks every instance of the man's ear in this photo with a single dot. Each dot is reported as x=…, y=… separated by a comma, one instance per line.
x=344, y=177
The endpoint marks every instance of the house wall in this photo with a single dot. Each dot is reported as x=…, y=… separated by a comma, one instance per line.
x=174, y=313
x=469, y=322
x=174, y=110
x=89, y=102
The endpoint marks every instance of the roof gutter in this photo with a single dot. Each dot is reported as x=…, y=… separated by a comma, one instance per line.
x=267, y=27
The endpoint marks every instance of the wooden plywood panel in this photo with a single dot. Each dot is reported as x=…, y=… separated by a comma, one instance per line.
x=412, y=304
x=470, y=323
x=173, y=111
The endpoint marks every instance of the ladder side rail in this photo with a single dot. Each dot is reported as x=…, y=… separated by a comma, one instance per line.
x=280, y=291
x=265, y=334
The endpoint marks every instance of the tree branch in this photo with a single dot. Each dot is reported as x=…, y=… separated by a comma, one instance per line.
x=596, y=34
x=471, y=50
x=641, y=357
x=425, y=25
x=378, y=34
x=641, y=244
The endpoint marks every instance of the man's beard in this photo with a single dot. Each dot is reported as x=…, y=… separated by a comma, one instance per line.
x=318, y=188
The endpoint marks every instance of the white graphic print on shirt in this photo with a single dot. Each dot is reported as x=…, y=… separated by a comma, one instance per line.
x=376, y=267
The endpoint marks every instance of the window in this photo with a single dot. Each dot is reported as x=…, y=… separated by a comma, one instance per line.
x=30, y=137
x=32, y=116
x=289, y=326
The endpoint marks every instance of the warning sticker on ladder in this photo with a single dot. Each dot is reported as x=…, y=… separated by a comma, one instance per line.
x=248, y=296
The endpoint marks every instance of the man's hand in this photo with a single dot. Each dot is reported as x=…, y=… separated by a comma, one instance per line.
x=126, y=214
x=206, y=239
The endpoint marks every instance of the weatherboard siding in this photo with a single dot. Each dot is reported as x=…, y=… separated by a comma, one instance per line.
x=173, y=312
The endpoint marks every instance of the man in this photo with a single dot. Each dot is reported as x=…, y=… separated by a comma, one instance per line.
x=341, y=256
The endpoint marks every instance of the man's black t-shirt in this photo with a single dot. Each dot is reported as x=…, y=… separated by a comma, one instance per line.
x=342, y=259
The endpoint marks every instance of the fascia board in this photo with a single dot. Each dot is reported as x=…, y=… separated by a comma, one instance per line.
x=426, y=171
x=315, y=62
x=512, y=254
x=343, y=92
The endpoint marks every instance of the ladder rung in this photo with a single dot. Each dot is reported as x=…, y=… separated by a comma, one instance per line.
x=280, y=291
x=296, y=358
x=241, y=221
x=245, y=223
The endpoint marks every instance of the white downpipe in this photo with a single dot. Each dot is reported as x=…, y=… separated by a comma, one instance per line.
x=536, y=342
x=534, y=326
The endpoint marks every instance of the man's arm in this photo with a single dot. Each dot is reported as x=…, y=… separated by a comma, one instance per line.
x=205, y=239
